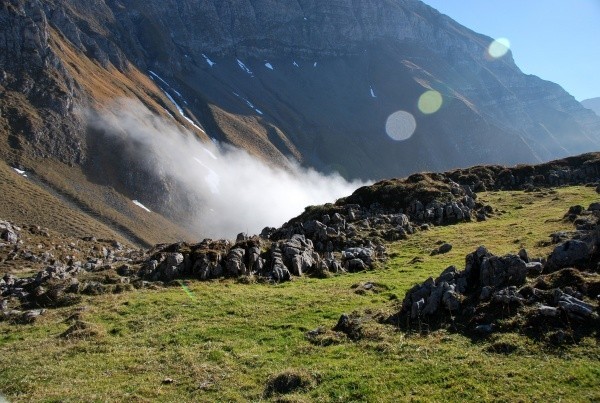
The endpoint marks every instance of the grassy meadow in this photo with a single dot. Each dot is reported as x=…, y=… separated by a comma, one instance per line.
x=223, y=340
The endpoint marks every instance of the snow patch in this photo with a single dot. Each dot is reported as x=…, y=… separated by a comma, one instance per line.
x=372, y=93
x=315, y=65
x=250, y=104
x=137, y=203
x=20, y=172
x=269, y=66
x=182, y=113
x=190, y=121
x=153, y=74
x=210, y=62
x=174, y=103
x=243, y=67
x=295, y=64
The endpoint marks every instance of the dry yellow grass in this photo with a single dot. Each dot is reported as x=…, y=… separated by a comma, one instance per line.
x=23, y=202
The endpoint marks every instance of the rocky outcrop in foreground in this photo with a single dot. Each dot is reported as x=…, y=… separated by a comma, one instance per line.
x=554, y=299
x=272, y=261
x=63, y=270
x=349, y=239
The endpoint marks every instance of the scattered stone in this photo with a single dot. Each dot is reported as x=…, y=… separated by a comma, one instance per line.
x=350, y=325
x=369, y=287
x=445, y=248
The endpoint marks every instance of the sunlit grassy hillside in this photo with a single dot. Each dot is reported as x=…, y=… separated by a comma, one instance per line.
x=223, y=340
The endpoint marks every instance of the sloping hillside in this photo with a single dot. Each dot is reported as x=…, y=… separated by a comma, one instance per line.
x=301, y=80
x=227, y=339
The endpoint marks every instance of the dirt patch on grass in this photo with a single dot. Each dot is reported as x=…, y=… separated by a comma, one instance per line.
x=81, y=330
x=290, y=381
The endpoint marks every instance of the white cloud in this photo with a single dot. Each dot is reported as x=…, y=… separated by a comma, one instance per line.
x=238, y=192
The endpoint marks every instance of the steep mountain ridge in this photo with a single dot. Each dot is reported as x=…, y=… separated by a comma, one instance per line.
x=310, y=81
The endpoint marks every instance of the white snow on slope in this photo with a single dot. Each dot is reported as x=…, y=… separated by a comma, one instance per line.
x=153, y=74
x=20, y=172
x=137, y=203
x=315, y=65
x=269, y=66
x=250, y=104
x=372, y=93
x=210, y=62
x=167, y=84
x=174, y=103
x=243, y=67
x=182, y=113
x=295, y=64
x=179, y=109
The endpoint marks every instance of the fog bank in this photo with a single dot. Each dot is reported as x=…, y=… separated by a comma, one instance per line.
x=236, y=191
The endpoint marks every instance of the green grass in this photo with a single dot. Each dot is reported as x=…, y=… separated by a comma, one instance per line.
x=222, y=341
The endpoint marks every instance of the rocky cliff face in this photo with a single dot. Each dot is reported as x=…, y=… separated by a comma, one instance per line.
x=38, y=95
x=307, y=80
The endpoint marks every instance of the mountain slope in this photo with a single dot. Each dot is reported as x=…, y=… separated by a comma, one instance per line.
x=593, y=104
x=207, y=339
x=310, y=81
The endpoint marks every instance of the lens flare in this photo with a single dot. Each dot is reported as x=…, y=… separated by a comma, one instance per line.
x=400, y=125
x=187, y=290
x=430, y=102
x=499, y=48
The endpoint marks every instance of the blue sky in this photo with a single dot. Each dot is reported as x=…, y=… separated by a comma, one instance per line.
x=557, y=40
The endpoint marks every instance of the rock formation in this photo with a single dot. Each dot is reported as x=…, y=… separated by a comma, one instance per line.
x=555, y=299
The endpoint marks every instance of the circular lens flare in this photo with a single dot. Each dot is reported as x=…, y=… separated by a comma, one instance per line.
x=430, y=102
x=499, y=48
x=400, y=125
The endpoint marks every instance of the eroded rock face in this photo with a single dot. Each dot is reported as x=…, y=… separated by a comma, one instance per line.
x=31, y=71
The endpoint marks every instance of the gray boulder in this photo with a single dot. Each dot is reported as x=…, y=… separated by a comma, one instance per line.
x=354, y=265
x=235, y=266
x=574, y=307
x=451, y=300
x=572, y=253
x=277, y=271
x=170, y=268
x=502, y=271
